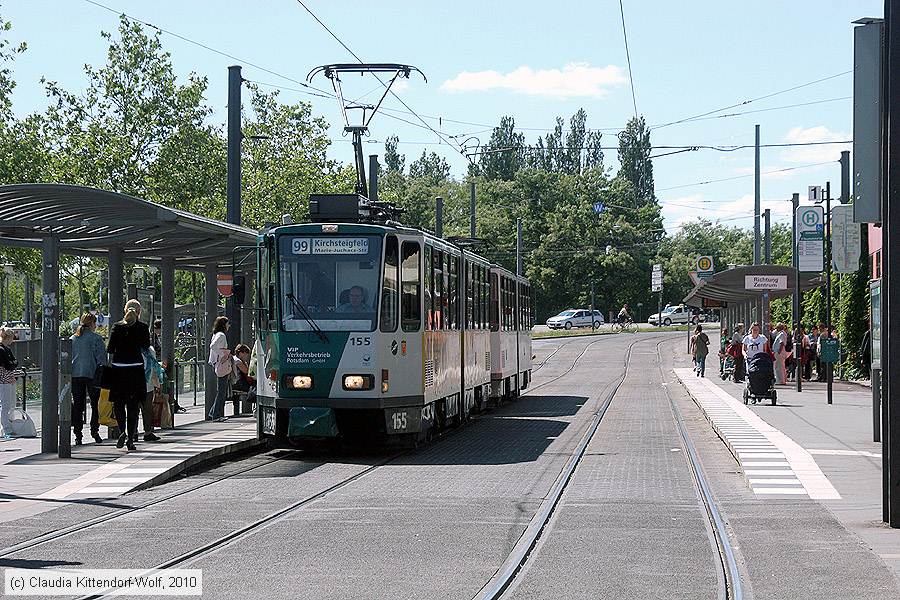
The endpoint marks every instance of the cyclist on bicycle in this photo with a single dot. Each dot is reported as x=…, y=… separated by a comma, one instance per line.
x=624, y=316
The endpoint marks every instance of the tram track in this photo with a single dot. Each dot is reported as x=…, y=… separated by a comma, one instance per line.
x=522, y=551
x=250, y=528
x=105, y=518
x=729, y=576
x=233, y=536
x=731, y=584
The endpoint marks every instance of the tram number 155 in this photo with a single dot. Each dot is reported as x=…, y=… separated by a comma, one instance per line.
x=399, y=421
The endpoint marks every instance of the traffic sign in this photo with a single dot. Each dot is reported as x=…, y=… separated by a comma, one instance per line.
x=704, y=267
x=657, y=267
x=598, y=207
x=225, y=285
x=810, y=242
x=695, y=278
x=656, y=280
x=815, y=193
x=845, y=239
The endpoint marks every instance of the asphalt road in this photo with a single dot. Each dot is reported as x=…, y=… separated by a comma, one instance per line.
x=439, y=521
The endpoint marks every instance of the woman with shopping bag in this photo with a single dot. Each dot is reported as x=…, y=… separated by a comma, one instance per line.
x=127, y=341
x=8, y=365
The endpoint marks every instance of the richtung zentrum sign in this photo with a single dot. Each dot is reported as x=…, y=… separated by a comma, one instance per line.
x=765, y=282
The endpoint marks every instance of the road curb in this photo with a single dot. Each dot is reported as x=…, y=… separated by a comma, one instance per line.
x=204, y=458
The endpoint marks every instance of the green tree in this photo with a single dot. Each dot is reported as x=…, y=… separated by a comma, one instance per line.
x=393, y=160
x=634, y=157
x=288, y=162
x=110, y=136
x=504, y=154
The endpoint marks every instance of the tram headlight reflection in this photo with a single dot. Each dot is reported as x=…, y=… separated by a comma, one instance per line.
x=359, y=382
x=300, y=382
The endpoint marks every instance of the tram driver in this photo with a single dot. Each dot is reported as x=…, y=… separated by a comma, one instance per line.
x=356, y=301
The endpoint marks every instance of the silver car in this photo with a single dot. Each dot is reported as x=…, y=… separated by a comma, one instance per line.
x=575, y=317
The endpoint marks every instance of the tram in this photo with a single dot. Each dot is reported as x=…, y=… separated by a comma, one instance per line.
x=372, y=330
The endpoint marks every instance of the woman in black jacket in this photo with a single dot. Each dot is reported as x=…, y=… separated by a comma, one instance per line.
x=127, y=342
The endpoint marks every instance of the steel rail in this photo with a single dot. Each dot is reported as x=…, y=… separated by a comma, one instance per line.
x=251, y=527
x=733, y=587
x=516, y=559
x=77, y=527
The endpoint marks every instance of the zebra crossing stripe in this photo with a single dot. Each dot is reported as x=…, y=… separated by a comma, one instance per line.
x=754, y=444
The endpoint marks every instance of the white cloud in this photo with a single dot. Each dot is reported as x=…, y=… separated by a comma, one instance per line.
x=814, y=154
x=737, y=212
x=401, y=85
x=573, y=80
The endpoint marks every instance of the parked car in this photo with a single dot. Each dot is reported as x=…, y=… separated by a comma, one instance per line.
x=674, y=315
x=575, y=317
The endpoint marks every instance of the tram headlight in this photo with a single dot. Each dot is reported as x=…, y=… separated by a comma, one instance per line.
x=299, y=382
x=358, y=382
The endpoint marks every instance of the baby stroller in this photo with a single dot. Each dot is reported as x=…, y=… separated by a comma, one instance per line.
x=727, y=365
x=760, y=379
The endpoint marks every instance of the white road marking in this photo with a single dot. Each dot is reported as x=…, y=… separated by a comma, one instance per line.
x=845, y=453
x=737, y=425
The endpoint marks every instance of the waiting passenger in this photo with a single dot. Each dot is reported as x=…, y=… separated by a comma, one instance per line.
x=356, y=297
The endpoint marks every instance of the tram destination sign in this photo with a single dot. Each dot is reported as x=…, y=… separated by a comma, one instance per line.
x=330, y=245
x=810, y=242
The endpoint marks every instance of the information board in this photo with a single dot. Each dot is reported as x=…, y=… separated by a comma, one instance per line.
x=875, y=315
x=846, y=239
x=810, y=242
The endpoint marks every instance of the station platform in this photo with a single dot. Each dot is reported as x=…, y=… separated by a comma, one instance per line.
x=32, y=482
x=805, y=447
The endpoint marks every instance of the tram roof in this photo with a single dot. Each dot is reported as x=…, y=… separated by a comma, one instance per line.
x=88, y=221
x=400, y=228
x=728, y=286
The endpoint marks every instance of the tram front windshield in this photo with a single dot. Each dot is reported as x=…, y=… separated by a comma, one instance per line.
x=334, y=278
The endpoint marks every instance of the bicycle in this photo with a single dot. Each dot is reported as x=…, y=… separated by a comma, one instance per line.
x=626, y=326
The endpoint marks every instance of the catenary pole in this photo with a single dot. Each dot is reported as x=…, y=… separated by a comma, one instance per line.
x=890, y=232
x=756, y=202
x=829, y=367
x=795, y=313
x=233, y=186
x=472, y=209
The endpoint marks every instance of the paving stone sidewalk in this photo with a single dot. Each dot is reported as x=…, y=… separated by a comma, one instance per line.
x=31, y=482
x=839, y=439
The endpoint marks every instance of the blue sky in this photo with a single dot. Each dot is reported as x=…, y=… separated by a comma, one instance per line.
x=532, y=60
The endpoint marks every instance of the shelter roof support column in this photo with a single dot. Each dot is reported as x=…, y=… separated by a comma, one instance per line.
x=50, y=345
x=212, y=311
x=116, y=284
x=167, y=336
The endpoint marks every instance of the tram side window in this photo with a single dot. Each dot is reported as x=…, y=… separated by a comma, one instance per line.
x=453, y=320
x=494, y=307
x=438, y=300
x=389, y=286
x=485, y=298
x=410, y=277
x=262, y=289
x=429, y=290
x=467, y=278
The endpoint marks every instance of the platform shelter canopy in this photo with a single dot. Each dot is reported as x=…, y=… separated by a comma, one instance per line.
x=88, y=221
x=729, y=286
